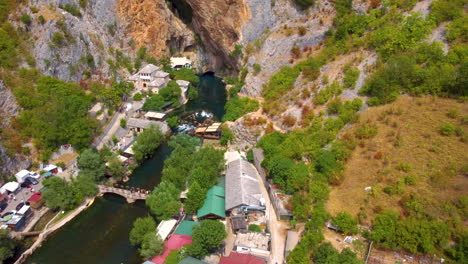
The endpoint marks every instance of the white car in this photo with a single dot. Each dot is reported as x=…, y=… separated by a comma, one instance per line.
x=34, y=175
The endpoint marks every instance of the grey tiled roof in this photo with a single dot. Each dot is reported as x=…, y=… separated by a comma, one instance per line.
x=150, y=68
x=242, y=185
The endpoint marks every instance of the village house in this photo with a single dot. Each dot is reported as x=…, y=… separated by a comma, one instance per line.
x=150, y=77
x=214, y=204
x=255, y=243
x=243, y=188
x=139, y=125
x=180, y=62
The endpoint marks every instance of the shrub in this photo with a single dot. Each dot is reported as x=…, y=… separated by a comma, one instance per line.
x=255, y=228
x=41, y=20
x=304, y=4
x=72, y=9
x=444, y=10
x=123, y=123
x=296, y=52
x=138, y=97
x=237, y=107
x=237, y=52
x=366, y=131
x=257, y=68
x=351, y=76
x=173, y=121
x=26, y=19
x=226, y=135
x=404, y=166
x=346, y=223
x=289, y=121
x=452, y=113
x=58, y=39
x=447, y=129
x=325, y=94
x=302, y=30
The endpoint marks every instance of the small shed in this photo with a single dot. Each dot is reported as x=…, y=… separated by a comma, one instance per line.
x=180, y=62
x=35, y=201
x=22, y=175
x=128, y=152
x=238, y=223
x=16, y=222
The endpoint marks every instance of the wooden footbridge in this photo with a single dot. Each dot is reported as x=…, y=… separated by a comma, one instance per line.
x=130, y=195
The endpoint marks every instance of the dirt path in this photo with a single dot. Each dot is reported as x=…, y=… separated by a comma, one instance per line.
x=277, y=228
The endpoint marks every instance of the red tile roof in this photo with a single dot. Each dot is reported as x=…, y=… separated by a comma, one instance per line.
x=176, y=241
x=35, y=198
x=238, y=258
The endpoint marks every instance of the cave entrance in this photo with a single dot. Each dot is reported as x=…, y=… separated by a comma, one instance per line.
x=182, y=10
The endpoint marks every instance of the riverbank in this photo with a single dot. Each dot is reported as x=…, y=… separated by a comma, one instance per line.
x=55, y=226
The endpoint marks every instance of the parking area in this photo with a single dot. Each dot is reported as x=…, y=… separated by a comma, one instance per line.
x=14, y=199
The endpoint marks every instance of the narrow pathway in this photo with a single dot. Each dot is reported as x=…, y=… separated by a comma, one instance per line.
x=278, y=229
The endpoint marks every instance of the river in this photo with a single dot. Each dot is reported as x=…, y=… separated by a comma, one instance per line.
x=100, y=233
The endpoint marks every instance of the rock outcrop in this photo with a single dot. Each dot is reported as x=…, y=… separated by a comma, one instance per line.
x=9, y=163
x=67, y=46
x=150, y=23
x=219, y=24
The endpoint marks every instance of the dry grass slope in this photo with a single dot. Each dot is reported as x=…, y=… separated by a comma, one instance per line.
x=409, y=164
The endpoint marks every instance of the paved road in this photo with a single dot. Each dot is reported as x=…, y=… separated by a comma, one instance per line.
x=110, y=129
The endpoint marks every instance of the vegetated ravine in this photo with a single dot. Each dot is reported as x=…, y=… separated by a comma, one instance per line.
x=100, y=233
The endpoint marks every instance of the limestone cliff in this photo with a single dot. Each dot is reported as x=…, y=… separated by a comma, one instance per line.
x=9, y=163
x=150, y=23
x=219, y=23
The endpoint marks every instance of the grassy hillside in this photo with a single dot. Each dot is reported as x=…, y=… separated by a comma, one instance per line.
x=414, y=164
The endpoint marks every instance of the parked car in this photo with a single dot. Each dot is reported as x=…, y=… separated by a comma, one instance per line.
x=25, y=185
x=31, y=181
x=3, y=206
x=34, y=175
x=19, y=206
x=8, y=213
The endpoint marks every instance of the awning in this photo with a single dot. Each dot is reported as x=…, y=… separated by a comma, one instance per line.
x=47, y=174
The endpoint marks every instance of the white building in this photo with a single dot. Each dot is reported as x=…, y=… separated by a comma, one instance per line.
x=180, y=62
x=150, y=77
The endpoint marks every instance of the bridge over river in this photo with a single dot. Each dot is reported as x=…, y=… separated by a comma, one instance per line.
x=130, y=195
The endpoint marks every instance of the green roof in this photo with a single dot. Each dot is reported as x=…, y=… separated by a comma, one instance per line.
x=216, y=190
x=190, y=260
x=186, y=228
x=221, y=182
x=213, y=205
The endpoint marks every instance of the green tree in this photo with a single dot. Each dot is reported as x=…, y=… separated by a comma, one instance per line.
x=26, y=19
x=141, y=227
x=384, y=228
x=195, y=198
x=116, y=168
x=207, y=238
x=85, y=185
x=147, y=142
x=346, y=223
x=326, y=254
x=91, y=164
x=164, y=200
x=123, y=123
x=186, y=74
x=151, y=246
x=58, y=194
x=7, y=245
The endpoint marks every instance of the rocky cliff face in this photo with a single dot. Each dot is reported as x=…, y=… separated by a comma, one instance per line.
x=150, y=23
x=9, y=163
x=68, y=46
x=219, y=24
x=76, y=46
